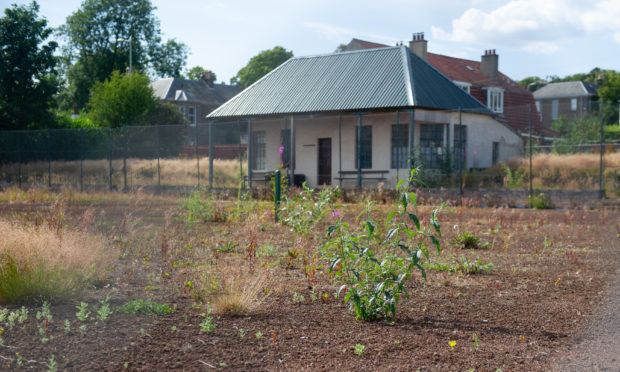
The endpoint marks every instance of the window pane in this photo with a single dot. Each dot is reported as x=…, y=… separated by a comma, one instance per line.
x=400, y=142
x=285, y=143
x=431, y=145
x=366, y=147
x=258, y=149
x=459, y=145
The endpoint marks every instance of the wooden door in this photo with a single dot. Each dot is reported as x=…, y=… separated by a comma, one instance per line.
x=325, y=161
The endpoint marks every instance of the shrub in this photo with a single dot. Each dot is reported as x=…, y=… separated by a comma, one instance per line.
x=40, y=263
x=467, y=240
x=514, y=178
x=539, y=201
x=201, y=207
x=373, y=268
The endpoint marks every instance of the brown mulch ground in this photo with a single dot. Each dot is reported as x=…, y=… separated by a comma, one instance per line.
x=551, y=269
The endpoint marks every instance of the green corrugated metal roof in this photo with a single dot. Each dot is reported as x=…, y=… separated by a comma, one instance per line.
x=364, y=80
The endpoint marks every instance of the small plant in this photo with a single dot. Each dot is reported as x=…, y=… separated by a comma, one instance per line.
x=473, y=267
x=45, y=312
x=241, y=333
x=3, y=314
x=514, y=178
x=452, y=344
x=148, y=307
x=298, y=297
x=539, y=201
x=476, y=342
x=358, y=349
x=51, y=365
x=467, y=240
x=83, y=312
x=67, y=326
x=207, y=325
x=104, y=311
x=313, y=295
x=201, y=207
x=12, y=318
x=23, y=315
x=82, y=328
x=259, y=335
x=266, y=250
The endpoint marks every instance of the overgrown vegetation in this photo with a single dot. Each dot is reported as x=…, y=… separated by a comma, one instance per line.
x=48, y=261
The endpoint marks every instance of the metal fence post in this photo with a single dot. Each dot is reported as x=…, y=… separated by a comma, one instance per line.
x=278, y=180
x=601, y=191
x=249, y=154
x=210, y=154
x=124, y=158
x=463, y=150
x=81, y=145
x=158, y=167
x=359, y=151
x=110, y=157
x=19, y=161
x=240, y=154
x=197, y=156
x=49, y=159
x=530, y=140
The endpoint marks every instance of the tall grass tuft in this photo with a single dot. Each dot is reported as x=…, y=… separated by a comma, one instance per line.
x=42, y=263
x=241, y=295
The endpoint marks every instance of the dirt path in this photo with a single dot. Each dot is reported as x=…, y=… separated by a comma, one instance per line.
x=598, y=346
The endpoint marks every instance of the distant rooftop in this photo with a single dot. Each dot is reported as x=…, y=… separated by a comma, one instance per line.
x=566, y=89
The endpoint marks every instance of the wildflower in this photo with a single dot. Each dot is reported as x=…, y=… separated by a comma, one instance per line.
x=419, y=254
x=335, y=214
x=281, y=150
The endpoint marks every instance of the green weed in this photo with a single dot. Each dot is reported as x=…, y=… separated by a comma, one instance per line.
x=147, y=307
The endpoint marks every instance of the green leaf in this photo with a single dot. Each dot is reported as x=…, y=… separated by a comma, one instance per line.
x=436, y=242
x=415, y=219
x=391, y=233
x=390, y=215
x=334, y=263
x=405, y=248
x=331, y=229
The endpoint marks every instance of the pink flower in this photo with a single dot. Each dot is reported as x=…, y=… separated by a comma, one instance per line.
x=335, y=215
x=475, y=152
x=281, y=150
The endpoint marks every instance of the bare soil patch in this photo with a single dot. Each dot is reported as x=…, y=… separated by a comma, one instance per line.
x=550, y=270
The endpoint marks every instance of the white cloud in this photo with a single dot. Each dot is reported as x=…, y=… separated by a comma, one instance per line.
x=533, y=26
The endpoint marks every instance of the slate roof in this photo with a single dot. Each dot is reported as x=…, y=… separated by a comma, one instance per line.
x=175, y=89
x=566, y=89
x=364, y=80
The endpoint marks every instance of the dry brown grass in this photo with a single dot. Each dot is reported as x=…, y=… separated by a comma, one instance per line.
x=40, y=262
x=140, y=172
x=241, y=294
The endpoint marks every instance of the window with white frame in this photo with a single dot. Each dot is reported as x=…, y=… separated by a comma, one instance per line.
x=259, y=147
x=191, y=114
x=573, y=104
x=495, y=99
x=554, y=109
x=463, y=85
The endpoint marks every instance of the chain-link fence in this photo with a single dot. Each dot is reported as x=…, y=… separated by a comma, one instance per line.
x=456, y=155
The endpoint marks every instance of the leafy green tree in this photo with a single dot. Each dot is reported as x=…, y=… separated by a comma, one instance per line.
x=169, y=59
x=531, y=83
x=121, y=100
x=260, y=65
x=98, y=37
x=27, y=69
x=165, y=114
x=195, y=73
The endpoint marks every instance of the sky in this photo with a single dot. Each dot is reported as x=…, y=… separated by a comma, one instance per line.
x=532, y=37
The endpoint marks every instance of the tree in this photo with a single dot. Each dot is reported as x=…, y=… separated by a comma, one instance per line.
x=121, y=100
x=531, y=83
x=195, y=73
x=169, y=58
x=260, y=65
x=27, y=69
x=98, y=37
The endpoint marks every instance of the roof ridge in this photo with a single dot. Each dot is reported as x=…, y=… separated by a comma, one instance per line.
x=333, y=54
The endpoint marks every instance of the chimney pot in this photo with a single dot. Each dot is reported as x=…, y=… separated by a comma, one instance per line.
x=418, y=45
x=489, y=65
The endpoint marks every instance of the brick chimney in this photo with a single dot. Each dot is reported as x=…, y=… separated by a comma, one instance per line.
x=418, y=45
x=489, y=63
x=208, y=77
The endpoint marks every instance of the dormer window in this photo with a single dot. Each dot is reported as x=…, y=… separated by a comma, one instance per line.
x=463, y=85
x=495, y=100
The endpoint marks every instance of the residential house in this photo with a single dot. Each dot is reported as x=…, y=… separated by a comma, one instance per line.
x=357, y=118
x=509, y=101
x=195, y=98
x=567, y=99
